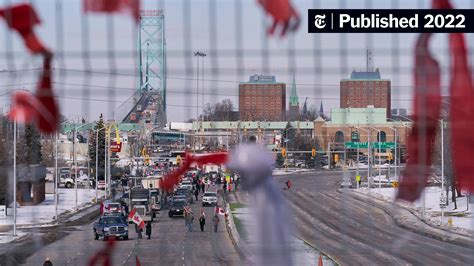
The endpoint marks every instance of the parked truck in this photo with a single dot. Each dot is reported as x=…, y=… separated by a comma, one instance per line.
x=153, y=184
x=139, y=198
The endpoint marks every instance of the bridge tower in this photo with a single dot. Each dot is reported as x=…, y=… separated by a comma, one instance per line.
x=152, y=61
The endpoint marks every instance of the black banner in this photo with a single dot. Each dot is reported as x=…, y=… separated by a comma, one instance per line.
x=390, y=20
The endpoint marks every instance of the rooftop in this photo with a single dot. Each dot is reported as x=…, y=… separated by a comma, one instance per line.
x=366, y=75
x=261, y=79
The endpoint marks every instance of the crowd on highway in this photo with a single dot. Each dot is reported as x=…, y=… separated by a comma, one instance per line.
x=139, y=205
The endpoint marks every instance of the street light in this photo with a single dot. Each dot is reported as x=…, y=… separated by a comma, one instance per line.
x=380, y=160
x=197, y=54
x=75, y=161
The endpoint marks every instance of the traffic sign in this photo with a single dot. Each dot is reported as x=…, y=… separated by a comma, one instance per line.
x=355, y=145
x=373, y=145
x=383, y=145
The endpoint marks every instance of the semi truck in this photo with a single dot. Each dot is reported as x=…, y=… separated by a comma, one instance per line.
x=139, y=198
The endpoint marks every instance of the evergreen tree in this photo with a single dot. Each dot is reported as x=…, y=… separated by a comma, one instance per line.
x=29, y=147
x=289, y=135
x=100, y=127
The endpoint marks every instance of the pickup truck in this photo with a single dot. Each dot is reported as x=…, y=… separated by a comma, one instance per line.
x=66, y=180
x=111, y=226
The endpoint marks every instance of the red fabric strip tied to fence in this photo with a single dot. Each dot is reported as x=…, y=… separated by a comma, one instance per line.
x=114, y=6
x=426, y=112
x=461, y=112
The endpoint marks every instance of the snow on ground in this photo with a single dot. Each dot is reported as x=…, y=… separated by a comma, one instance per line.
x=302, y=253
x=289, y=171
x=8, y=236
x=46, y=211
x=462, y=217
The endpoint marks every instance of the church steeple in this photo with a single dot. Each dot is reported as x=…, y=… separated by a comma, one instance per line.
x=294, y=96
x=294, y=108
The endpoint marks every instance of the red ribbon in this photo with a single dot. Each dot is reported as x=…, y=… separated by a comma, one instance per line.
x=41, y=107
x=283, y=14
x=461, y=110
x=114, y=6
x=104, y=255
x=22, y=18
x=172, y=178
x=426, y=113
x=426, y=116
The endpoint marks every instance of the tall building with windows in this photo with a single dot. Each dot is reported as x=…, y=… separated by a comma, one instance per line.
x=262, y=98
x=366, y=88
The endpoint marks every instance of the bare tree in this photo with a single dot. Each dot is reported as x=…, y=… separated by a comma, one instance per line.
x=222, y=111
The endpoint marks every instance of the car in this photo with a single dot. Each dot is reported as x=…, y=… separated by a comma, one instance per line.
x=179, y=197
x=177, y=208
x=187, y=185
x=101, y=184
x=111, y=226
x=346, y=183
x=66, y=180
x=112, y=207
x=186, y=192
x=209, y=199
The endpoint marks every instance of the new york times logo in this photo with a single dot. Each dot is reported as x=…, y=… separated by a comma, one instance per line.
x=319, y=21
x=390, y=21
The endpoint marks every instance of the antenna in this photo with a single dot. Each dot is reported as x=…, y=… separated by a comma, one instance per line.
x=369, y=60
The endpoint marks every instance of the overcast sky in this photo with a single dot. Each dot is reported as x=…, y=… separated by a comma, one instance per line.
x=320, y=61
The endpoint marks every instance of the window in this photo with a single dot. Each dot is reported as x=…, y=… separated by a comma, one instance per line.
x=339, y=137
x=381, y=136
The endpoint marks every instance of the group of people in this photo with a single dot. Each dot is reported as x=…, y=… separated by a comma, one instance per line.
x=189, y=220
x=147, y=230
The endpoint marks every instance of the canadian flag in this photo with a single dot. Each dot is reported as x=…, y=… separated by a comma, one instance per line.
x=136, y=218
x=220, y=211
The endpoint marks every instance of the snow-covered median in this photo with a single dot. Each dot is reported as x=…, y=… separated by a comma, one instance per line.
x=289, y=171
x=45, y=212
x=462, y=217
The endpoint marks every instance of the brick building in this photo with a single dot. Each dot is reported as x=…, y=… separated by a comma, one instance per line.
x=262, y=99
x=366, y=88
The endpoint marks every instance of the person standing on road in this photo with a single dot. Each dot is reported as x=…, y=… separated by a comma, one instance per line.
x=197, y=186
x=203, y=186
x=196, y=193
x=188, y=219
x=47, y=262
x=202, y=221
x=215, y=221
x=138, y=230
x=148, y=229
x=113, y=191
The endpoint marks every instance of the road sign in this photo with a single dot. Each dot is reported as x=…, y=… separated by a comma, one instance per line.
x=373, y=145
x=442, y=200
x=383, y=145
x=355, y=145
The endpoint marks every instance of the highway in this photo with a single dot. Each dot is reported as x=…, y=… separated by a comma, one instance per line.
x=170, y=244
x=356, y=233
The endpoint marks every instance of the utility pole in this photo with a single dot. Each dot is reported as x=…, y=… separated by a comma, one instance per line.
x=368, y=160
x=14, y=177
x=442, y=170
x=96, y=163
x=56, y=175
x=75, y=165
